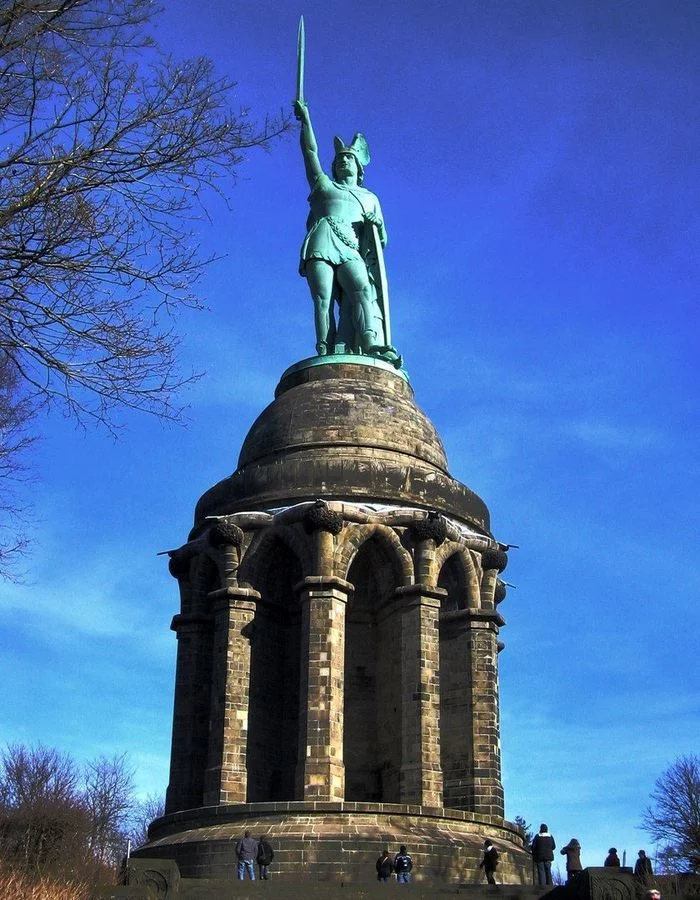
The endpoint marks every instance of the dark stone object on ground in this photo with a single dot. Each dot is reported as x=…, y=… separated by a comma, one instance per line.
x=160, y=877
x=601, y=883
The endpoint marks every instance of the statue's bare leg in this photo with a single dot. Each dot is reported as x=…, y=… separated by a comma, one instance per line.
x=319, y=275
x=354, y=281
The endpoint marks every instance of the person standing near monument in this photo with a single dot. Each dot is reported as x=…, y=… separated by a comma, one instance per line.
x=489, y=863
x=265, y=857
x=339, y=258
x=543, y=847
x=247, y=852
x=572, y=852
x=643, y=871
x=612, y=860
x=403, y=865
x=385, y=866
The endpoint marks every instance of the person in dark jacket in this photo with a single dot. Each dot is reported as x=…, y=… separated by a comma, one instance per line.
x=572, y=852
x=543, y=848
x=643, y=871
x=490, y=862
x=247, y=853
x=385, y=866
x=612, y=860
x=403, y=865
x=265, y=856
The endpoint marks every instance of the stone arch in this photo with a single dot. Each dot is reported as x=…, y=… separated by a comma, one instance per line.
x=273, y=565
x=355, y=536
x=456, y=572
x=255, y=558
x=373, y=560
x=454, y=569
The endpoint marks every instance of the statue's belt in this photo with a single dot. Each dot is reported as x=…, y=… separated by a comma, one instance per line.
x=340, y=230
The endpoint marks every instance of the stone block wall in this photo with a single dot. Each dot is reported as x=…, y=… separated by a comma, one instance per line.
x=340, y=842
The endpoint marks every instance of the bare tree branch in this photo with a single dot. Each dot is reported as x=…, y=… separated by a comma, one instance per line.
x=56, y=818
x=673, y=818
x=109, y=151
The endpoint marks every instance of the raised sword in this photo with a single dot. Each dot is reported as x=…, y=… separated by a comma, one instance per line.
x=301, y=47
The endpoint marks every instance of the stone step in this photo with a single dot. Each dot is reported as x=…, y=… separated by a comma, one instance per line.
x=217, y=889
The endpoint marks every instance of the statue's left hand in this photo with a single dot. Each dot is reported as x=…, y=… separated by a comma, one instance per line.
x=374, y=219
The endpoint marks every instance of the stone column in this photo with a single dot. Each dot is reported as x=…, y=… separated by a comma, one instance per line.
x=488, y=789
x=476, y=786
x=191, y=712
x=421, y=770
x=493, y=562
x=226, y=776
x=321, y=773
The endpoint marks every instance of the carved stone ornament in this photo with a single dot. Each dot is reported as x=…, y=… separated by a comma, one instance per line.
x=320, y=517
x=494, y=559
x=432, y=527
x=224, y=532
x=179, y=563
x=160, y=876
x=499, y=594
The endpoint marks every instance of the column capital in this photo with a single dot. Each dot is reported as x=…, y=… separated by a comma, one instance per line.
x=230, y=597
x=430, y=595
x=413, y=596
x=183, y=621
x=473, y=616
x=322, y=584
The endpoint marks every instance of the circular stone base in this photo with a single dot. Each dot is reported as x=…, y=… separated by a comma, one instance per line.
x=338, y=841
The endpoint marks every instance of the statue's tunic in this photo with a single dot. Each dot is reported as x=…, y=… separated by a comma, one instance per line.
x=335, y=222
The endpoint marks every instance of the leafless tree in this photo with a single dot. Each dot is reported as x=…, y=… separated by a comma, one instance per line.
x=109, y=151
x=153, y=807
x=108, y=794
x=673, y=817
x=43, y=823
x=107, y=147
x=14, y=442
x=56, y=818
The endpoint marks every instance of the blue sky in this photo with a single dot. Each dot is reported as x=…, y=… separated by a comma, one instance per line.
x=537, y=164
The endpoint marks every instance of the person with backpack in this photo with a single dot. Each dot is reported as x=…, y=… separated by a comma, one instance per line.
x=403, y=865
x=265, y=857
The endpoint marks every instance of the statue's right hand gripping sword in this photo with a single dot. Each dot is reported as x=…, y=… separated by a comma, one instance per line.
x=301, y=46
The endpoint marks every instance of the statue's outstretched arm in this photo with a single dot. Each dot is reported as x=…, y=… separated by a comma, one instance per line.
x=309, y=147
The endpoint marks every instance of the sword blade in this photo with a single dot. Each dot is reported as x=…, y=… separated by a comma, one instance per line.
x=301, y=48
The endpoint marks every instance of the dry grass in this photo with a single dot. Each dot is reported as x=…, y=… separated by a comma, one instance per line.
x=15, y=886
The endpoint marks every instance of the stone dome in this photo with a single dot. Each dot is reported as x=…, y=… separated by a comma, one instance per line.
x=344, y=429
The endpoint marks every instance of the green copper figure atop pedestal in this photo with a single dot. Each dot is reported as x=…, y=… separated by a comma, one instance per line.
x=342, y=255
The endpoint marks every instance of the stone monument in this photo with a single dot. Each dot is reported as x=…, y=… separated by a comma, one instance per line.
x=338, y=633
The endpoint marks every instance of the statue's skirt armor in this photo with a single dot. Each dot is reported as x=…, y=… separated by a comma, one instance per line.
x=332, y=240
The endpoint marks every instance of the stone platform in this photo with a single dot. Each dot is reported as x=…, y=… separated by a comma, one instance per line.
x=337, y=842
x=160, y=880
x=207, y=889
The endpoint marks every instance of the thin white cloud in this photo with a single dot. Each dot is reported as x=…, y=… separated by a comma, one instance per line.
x=601, y=435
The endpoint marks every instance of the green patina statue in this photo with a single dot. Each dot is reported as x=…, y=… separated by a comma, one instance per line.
x=342, y=254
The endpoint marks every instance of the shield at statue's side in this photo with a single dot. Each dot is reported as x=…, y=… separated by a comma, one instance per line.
x=375, y=265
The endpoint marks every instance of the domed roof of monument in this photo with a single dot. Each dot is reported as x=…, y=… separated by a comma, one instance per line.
x=363, y=408
x=343, y=430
